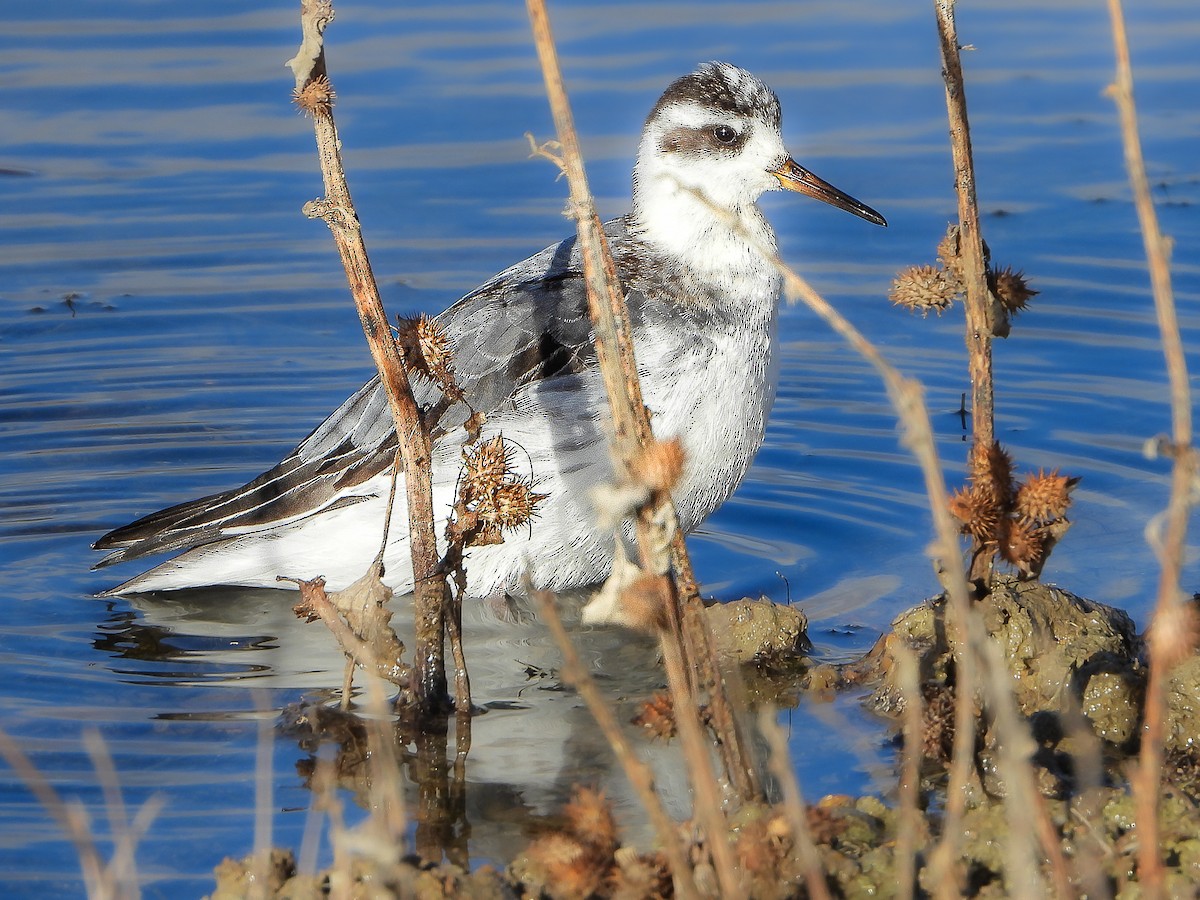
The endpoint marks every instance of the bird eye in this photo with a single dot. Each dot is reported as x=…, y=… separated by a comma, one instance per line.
x=724, y=134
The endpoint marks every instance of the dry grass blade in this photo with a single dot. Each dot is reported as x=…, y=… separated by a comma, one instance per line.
x=703, y=778
x=793, y=804
x=1146, y=782
x=636, y=771
x=972, y=274
x=264, y=801
x=910, y=773
x=119, y=878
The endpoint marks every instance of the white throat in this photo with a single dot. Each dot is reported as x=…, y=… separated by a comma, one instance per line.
x=723, y=241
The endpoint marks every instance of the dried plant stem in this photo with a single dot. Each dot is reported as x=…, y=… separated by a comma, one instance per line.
x=979, y=353
x=122, y=867
x=962, y=624
x=980, y=316
x=793, y=805
x=337, y=209
x=1028, y=821
x=264, y=801
x=638, y=773
x=119, y=878
x=1146, y=783
x=696, y=752
x=631, y=420
x=910, y=820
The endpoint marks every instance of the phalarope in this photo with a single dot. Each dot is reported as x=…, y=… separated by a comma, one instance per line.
x=694, y=257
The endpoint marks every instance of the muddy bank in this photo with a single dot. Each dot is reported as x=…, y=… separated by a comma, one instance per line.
x=1077, y=673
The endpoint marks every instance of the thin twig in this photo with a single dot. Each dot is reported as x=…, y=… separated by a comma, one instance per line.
x=71, y=820
x=1022, y=802
x=696, y=752
x=121, y=871
x=979, y=354
x=264, y=801
x=910, y=819
x=1146, y=783
x=793, y=804
x=980, y=322
x=638, y=773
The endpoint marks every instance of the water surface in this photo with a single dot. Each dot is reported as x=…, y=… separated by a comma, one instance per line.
x=170, y=325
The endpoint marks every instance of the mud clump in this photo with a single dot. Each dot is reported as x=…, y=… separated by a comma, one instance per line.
x=362, y=877
x=1183, y=707
x=758, y=631
x=1065, y=655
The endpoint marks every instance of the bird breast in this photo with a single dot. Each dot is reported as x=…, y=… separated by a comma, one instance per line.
x=714, y=391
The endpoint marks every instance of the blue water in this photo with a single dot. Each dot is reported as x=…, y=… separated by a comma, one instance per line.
x=170, y=324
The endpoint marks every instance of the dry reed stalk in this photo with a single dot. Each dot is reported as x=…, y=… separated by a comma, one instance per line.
x=907, y=397
x=793, y=804
x=1028, y=823
x=387, y=826
x=631, y=420
x=264, y=802
x=310, y=837
x=118, y=879
x=1087, y=805
x=697, y=753
x=324, y=786
x=387, y=791
x=979, y=354
x=917, y=436
x=980, y=315
x=910, y=818
x=315, y=96
x=980, y=321
x=638, y=773
x=125, y=834
x=1170, y=548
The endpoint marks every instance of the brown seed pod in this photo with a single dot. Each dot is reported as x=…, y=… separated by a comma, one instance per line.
x=568, y=866
x=426, y=350
x=991, y=473
x=923, y=289
x=642, y=876
x=408, y=342
x=978, y=513
x=315, y=98
x=590, y=819
x=1010, y=289
x=1021, y=544
x=659, y=465
x=657, y=716
x=485, y=468
x=1044, y=497
x=510, y=505
x=439, y=358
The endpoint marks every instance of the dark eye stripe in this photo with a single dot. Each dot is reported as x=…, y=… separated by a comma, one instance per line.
x=703, y=140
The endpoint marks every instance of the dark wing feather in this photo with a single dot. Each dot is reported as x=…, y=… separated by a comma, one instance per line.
x=527, y=324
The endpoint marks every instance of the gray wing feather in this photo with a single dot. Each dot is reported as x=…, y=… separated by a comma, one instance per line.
x=529, y=323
